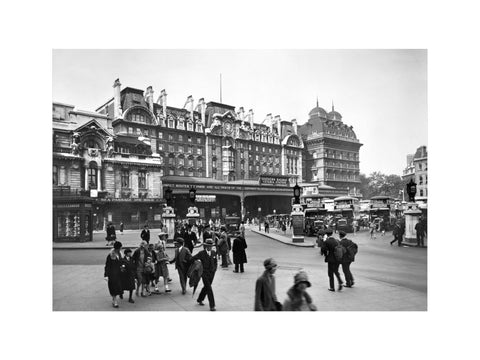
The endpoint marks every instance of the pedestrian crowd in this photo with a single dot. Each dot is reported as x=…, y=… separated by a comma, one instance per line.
x=145, y=270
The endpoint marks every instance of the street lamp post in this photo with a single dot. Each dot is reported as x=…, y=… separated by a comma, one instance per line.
x=298, y=216
x=412, y=214
x=169, y=214
x=192, y=213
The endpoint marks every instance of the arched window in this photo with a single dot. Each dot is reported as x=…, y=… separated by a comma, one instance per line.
x=92, y=176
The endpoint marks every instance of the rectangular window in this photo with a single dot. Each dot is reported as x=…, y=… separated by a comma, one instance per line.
x=180, y=148
x=256, y=148
x=214, y=164
x=170, y=137
x=181, y=161
x=130, y=130
x=139, y=132
x=199, y=151
x=180, y=137
x=171, y=161
x=189, y=139
x=199, y=163
x=199, y=140
x=190, y=149
x=263, y=148
x=190, y=162
x=181, y=172
x=171, y=148
x=171, y=172
x=142, y=180
x=125, y=179
x=55, y=175
x=160, y=146
x=160, y=135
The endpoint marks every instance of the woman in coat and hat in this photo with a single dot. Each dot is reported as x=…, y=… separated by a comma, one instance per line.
x=161, y=268
x=128, y=273
x=297, y=297
x=112, y=272
x=238, y=250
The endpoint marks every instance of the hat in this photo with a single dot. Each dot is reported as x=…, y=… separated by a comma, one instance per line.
x=342, y=233
x=329, y=231
x=208, y=242
x=223, y=228
x=127, y=250
x=179, y=240
x=321, y=232
x=117, y=245
x=301, y=277
x=162, y=233
x=269, y=263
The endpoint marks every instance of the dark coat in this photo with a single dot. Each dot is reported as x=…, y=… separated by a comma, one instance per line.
x=223, y=243
x=182, y=259
x=111, y=233
x=209, y=263
x=238, y=250
x=136, y=257
x=128, y=274
x=346, y=244
x=145, y=235
x=113, y=272
x=328, y=249
x=420, y=229
x=190, y=240
x=265, y=297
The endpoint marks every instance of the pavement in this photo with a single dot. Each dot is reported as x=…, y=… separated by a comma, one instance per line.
x=82, y=287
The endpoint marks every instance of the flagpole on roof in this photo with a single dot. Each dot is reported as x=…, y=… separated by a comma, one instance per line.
x=220, y=88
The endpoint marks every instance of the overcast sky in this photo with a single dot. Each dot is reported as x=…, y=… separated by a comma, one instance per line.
x=381, y=93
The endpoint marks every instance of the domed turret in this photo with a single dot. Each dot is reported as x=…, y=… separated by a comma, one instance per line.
x=334, y=115
x=318, y=112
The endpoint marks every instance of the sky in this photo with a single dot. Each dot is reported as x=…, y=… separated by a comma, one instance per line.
x=381, y=93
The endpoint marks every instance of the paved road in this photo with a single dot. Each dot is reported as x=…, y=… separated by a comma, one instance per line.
x=376, y=260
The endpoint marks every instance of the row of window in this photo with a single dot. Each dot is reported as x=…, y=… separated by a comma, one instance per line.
x=180, y=138
x=335, y=154
x=180, y=125
x=182, y=162
x=183, y=149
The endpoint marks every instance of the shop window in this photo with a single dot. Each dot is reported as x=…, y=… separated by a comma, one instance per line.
x=142, y=179
x=125, y=178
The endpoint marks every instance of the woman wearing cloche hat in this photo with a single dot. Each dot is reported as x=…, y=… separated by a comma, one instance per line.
x=297, y=297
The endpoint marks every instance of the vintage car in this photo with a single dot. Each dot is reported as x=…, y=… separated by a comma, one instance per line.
x=345, y=225
x=313, y=226
x=232, y=223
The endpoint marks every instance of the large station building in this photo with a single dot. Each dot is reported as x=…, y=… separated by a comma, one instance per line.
x=113, y=164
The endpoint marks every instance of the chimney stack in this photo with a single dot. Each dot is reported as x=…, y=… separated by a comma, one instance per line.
x=117, y=107
x=269, y=119
x=294, y=126
x=202, y=105
x=250, y=115
x=149, y=98
x=277, y=123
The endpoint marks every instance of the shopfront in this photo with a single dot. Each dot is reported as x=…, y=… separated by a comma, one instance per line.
x=72, y=221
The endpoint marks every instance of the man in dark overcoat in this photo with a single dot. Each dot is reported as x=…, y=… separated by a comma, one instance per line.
x=145, y=235
x=182, y=261
x=238, y=250
x=208, y=257
x=328, y=249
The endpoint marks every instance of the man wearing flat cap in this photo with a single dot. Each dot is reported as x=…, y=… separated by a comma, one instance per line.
x=328, y=249
x=182, y=260
x=265, y=297
x=208, y=257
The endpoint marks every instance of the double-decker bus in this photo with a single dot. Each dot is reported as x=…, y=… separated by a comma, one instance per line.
x=383, y=207
x=346, y=208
